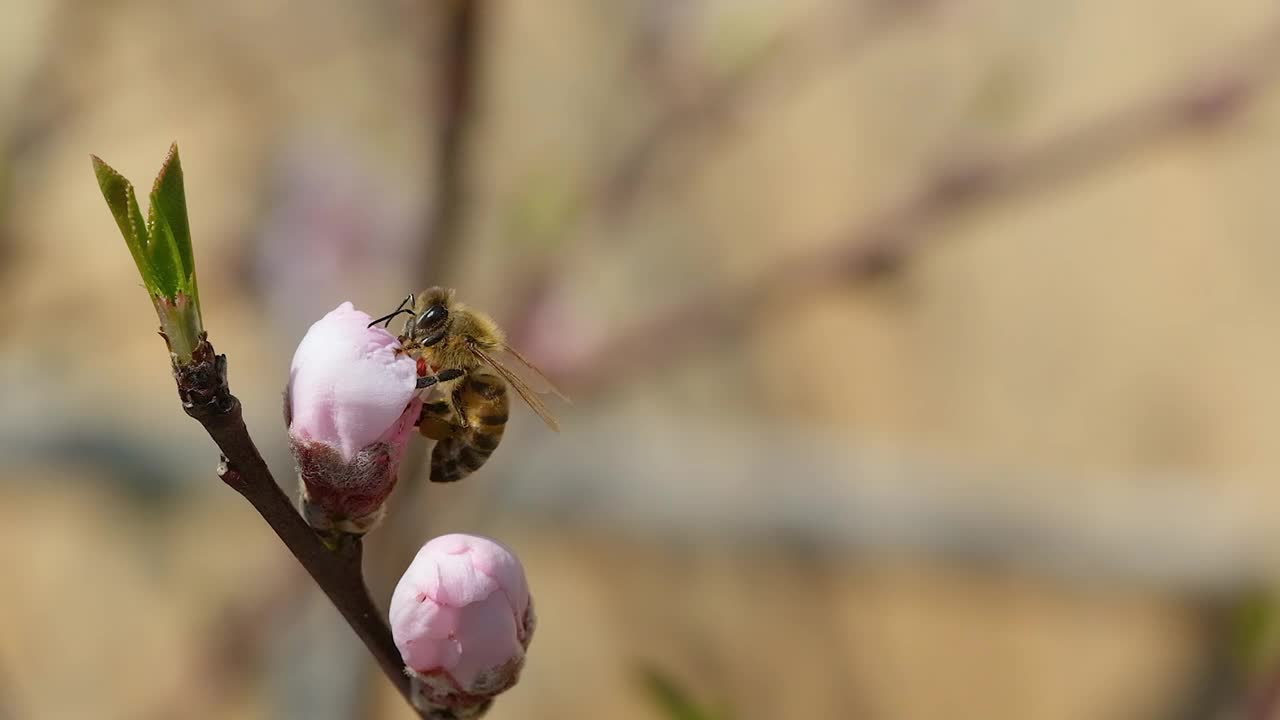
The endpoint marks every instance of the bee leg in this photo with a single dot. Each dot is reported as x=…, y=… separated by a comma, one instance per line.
x=455, y=399
x=442, y=376
x=482, y=401
x=436, y=420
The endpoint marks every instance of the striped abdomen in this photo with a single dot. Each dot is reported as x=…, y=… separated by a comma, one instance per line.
x=480, y=399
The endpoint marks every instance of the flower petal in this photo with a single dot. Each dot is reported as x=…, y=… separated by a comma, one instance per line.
x=461, y=610
x=347, y=383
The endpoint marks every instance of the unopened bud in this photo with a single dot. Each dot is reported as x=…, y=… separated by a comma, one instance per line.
x=350, y=405
x=462, y=618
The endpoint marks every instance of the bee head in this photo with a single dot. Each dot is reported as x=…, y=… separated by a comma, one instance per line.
x=429, y=327
x=431, y=323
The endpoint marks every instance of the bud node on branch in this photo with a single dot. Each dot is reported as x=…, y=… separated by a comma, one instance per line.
x=202, y=383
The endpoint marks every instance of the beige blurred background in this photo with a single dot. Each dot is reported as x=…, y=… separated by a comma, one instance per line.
x=1016, y=464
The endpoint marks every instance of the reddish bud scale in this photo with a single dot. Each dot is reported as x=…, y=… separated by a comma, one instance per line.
x=345, y=490
x=351, y=404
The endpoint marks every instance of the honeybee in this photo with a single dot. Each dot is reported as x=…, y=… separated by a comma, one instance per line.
x=462, y=353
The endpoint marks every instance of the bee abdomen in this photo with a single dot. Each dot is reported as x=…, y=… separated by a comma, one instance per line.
x=482, y=399
x=452, y=459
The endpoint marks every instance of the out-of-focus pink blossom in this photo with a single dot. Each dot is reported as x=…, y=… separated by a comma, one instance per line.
x=462, y=618
x=558, y=334
x=351, y=404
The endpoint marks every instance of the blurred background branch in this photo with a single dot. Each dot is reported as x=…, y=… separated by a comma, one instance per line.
x=454, y=62
x=1164, y=533
x=704, y=121
x=457, y=65
x=231, y=651
x=871, y=248
x=455, y=69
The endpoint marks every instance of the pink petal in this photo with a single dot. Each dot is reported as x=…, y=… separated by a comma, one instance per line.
x=460, y=608
x=347, y=384
x=487, y=635
x=470, y=568
x=428, y=634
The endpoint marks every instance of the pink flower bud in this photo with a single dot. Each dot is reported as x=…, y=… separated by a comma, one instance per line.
x=350, y=405
x=462, y=618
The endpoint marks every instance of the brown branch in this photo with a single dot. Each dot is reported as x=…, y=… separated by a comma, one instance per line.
x=1265, y=704
x=457, y=75
x=461, y=31
x=7, y=703
x=873, y=248
x=700, y=123
x=792, y=52
x=202, y=386
x=1217, y=681
x=231, y=652
x=1256, y=642
x=455, y=68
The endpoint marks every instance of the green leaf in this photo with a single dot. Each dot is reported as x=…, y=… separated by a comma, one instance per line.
x=674, y=701
x=120, y=198
x=1255, y=628
x=115, y=189
x=169, y=217
x=161, y=247
x=163, y=254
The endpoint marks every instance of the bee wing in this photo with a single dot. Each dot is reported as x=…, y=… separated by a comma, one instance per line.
x=534, y=378
x=526, y=393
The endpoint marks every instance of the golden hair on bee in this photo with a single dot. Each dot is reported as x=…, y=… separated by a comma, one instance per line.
x=461, y=322
x=451, y=341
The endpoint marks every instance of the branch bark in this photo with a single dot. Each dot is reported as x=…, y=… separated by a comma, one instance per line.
x=456, y=68
x=701, y=125
x=207, y=398
x=875, y=247
x=457, y=75
x=1265, y=703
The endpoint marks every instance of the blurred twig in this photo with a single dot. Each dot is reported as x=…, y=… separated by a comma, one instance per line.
x=6, y=704
x=696, y=120
x=872, y=248
x=1215, y=684
x=1264, y=701
x=457, y=72
x=670, y=697
x=633, y=474
x=7, y=242
x=457, y=67
x=21, y=122
x=231, y=651
x=461, y=29
x=1265, y=704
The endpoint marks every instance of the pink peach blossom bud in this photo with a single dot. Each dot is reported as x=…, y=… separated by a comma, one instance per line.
x=351, y=404
x=462, y=618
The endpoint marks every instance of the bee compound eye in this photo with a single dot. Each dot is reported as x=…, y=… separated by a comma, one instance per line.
x=433, y=317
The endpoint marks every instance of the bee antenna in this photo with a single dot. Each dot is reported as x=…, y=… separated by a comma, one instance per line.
x=388, y=318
